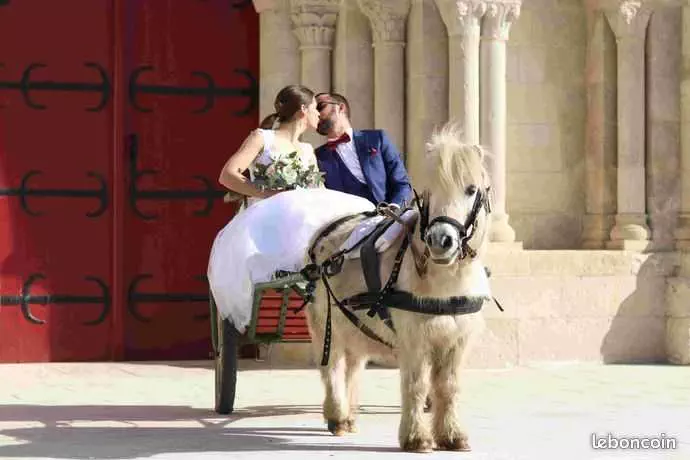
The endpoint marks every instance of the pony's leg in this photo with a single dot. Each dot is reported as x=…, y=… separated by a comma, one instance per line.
x=414, y=433
x=336, y=408
x=445, y=380
x=335, y=404
x=355, y=366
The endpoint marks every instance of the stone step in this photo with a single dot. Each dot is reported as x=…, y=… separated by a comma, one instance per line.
x=580, y=305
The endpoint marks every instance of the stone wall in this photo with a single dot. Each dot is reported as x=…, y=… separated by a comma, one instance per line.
x=547, y=105
x=565, y=306
x=562, y=183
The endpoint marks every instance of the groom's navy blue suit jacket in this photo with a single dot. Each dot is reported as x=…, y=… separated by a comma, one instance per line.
x=383, y=169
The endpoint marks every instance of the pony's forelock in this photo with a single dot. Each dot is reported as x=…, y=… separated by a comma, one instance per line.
x=453, y=164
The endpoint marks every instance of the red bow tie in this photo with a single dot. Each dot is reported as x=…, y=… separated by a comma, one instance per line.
x=331, y=145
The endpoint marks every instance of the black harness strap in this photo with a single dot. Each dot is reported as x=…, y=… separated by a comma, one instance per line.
x=370, y=256
x=331, y=267
x=447, y=220
x=380, y=306
x=423, y=208
x=330, y=228
x=403, y=300
x=349, y=315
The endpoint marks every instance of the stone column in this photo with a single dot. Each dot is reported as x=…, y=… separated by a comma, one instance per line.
x=628, y=20
x=663, y=56
x=278, y=52
x=463, y=23
x=353, y=64
x=682, y=232
x=678, y=294
x=426, y=91
x=600, y=154
x=314, y=25
x=388, y=19
x=495, y=32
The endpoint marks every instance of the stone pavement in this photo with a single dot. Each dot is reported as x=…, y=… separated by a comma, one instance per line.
x=164, y=411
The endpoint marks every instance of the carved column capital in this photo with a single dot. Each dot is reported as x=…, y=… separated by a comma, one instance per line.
x=388, y=19
x=628, y=18
x=459, y=15
x=498, y=18
x=314, y=22
x=266, y=5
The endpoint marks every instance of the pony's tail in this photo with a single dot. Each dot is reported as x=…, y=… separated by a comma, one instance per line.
x=269, y=121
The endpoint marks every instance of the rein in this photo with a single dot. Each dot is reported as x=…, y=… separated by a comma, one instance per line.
x=421, y=259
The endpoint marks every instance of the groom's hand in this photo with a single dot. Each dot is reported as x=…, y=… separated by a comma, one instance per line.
x=394, y=207
x=382, y=206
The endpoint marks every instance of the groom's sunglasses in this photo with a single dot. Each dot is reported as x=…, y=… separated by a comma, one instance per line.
x=322, y=105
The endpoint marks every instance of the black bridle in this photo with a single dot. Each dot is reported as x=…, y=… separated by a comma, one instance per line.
x=481, y=200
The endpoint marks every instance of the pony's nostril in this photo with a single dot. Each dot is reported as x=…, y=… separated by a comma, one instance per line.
x=446, y=242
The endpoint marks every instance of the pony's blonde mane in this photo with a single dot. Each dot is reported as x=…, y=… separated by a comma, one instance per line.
x=452, y=163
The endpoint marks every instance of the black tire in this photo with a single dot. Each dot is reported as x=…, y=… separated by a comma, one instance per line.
x=226, y=366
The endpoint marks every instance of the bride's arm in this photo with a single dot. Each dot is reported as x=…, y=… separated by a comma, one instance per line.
x=231, y=176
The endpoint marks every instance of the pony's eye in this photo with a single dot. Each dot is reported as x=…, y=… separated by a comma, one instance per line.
x=470, y=190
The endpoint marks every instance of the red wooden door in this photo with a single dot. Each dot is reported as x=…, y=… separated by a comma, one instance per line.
x=114, y=125
x=55, y=180
x=191, y=67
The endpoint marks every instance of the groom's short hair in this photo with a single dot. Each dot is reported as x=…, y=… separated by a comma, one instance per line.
x=339, y=98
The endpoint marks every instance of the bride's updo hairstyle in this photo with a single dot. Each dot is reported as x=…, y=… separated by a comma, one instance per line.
x=288, y=102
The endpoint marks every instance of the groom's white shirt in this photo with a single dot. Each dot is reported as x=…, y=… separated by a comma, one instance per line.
x=348, y=153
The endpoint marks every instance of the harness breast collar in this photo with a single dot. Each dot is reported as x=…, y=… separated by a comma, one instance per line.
x=378, y=300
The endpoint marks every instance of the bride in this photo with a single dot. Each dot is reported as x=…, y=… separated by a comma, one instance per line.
x=273, y=229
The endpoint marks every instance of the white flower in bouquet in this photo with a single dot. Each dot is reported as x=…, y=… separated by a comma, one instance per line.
x=290, y=175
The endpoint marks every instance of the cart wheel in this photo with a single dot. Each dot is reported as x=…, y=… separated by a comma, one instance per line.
x=226, y=366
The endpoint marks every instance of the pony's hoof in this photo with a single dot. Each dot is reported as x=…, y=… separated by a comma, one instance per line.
x=351, y=426
x=459, y=443
x=421, y=445
x=339, y=428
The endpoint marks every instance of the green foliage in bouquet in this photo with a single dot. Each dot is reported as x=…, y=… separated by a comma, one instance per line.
x=286, y=172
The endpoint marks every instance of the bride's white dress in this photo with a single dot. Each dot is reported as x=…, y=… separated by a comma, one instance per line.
x=270, y=235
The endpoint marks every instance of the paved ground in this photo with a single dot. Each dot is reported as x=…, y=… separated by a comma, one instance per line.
x=164, y=411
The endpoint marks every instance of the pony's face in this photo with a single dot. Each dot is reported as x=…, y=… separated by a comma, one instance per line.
x=455, y=212
x=457, y=228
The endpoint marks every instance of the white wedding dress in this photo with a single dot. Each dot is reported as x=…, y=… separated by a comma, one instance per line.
x=270, y=235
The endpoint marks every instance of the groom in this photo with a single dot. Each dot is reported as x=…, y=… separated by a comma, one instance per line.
x=363, y=163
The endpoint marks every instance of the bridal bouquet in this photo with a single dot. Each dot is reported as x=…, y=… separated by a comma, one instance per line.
x=287, y=172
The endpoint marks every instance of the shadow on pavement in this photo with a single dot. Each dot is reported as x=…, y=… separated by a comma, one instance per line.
x=110, y=432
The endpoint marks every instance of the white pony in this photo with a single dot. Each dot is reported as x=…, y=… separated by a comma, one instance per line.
x=434, y=305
